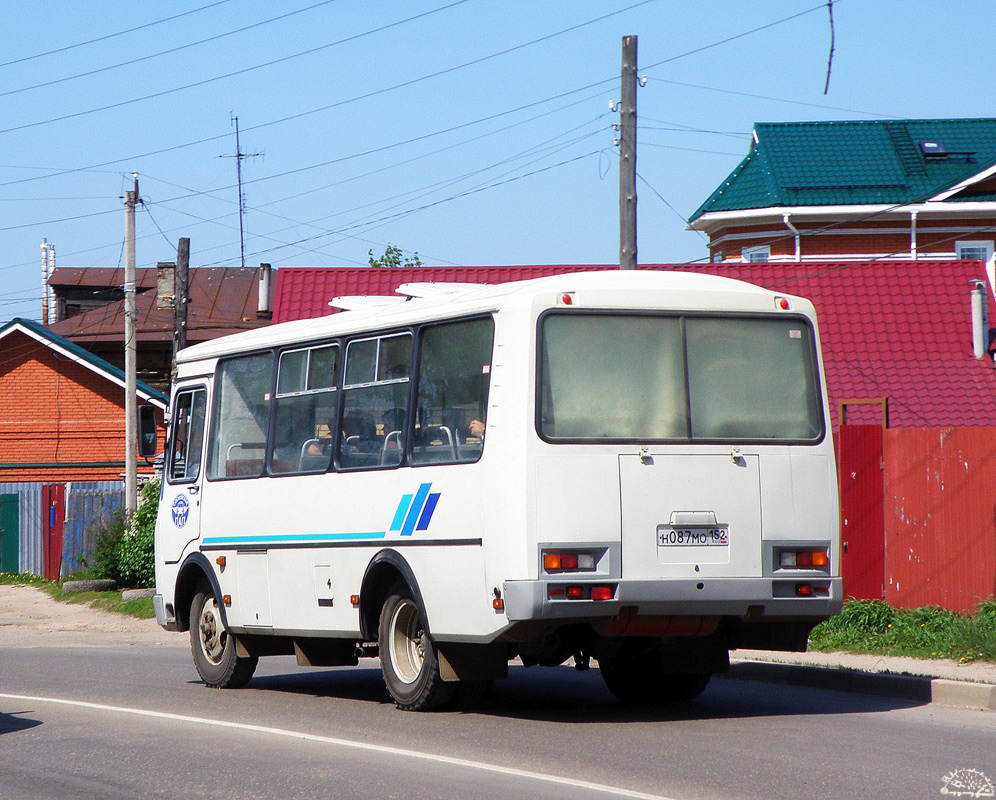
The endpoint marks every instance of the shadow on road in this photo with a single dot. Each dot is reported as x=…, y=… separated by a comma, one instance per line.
x=12, y=723
x=565, y=695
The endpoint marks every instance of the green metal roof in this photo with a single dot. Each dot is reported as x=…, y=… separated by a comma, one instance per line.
x=96, y=362
x=854, y=163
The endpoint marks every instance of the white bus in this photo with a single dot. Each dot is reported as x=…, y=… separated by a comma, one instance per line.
x=634, y=467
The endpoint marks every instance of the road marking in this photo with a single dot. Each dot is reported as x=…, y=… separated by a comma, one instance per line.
x=348, y=743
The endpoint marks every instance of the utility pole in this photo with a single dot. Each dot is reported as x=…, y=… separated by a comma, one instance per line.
x=131, y=423
x=182, y=287
x=627, y=156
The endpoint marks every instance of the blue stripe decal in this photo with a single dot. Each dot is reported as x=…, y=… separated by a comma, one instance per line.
x=399, y=515
x=430, y=506
x=416, y=509
x=293, y=537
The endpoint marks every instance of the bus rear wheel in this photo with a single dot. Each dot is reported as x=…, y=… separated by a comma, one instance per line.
x=215, y=656
x=642, y=678
x=408, y=658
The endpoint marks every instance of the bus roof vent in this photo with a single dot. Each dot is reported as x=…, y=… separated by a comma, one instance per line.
x=430, y=289
x=358, y=301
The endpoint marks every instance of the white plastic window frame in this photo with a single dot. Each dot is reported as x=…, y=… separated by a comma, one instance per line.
x=756, y=254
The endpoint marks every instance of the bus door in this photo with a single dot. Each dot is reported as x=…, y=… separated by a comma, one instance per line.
x=179, y=511
x=690, y=516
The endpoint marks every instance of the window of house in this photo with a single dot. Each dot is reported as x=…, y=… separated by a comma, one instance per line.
x=981, y=249
x=241, y=416
x=304, y=410
x=452, y=396
x=756, y=253
x=375, y=401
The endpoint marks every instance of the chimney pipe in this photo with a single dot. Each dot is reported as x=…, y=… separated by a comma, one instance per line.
x=263, y=306
x=980, y=319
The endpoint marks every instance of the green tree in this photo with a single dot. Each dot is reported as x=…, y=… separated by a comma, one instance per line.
x=393, y=258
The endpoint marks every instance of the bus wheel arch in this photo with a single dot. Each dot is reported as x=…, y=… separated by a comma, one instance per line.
x=196, y=569
x=382, y=573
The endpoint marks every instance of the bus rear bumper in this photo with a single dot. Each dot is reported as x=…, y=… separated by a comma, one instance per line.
x=751, y=598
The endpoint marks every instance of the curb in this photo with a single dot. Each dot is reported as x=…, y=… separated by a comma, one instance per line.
x=921, y=689
x=136, y=594
x=99, y=585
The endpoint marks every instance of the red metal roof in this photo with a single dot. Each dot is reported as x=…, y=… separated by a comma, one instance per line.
x=895, y=329
x=223, y=300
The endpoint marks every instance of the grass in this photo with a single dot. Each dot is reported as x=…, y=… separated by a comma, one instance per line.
x=108, y=601
x=870, y=626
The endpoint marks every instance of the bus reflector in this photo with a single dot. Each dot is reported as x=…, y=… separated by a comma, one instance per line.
x=804, y=590
x=354, y=599
x=575, y=593
x=601, y=592
x=221, y=561
x=498, y=604
x=226, y=599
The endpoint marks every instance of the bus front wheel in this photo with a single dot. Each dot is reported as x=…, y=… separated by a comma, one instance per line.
x=215, y=656
x=408, y=658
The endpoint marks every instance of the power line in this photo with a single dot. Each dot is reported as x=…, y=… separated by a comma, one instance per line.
x=170, y=51
x=112, y=35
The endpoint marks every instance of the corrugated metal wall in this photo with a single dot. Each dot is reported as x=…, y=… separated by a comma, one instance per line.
x=87, y=504
x=31, y=556
x=940, y=516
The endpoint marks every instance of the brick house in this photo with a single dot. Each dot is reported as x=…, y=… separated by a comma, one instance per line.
x=61, y=409
x=828, y=191
x=89, y=311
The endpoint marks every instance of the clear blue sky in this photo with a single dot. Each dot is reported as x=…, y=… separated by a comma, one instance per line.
x=472, y=132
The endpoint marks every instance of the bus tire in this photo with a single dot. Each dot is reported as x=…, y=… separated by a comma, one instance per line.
x=408, y=658
x=215, y=657
x=641, y=679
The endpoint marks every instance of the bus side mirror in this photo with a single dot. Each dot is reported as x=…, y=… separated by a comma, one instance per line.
x=147, y=431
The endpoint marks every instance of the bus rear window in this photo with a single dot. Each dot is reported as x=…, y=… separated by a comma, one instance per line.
x=619, y=377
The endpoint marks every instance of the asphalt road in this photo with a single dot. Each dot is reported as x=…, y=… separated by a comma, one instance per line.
x=543, y=733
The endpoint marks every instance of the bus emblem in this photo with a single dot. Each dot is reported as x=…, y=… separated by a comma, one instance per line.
x=415, y=511
x=181, y=508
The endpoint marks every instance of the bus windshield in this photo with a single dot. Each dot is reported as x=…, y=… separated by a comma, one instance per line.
x=619, y=377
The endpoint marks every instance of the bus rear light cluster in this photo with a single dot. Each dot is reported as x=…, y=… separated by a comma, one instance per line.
x=582, y=592
x=805, y=559
x=557, y=561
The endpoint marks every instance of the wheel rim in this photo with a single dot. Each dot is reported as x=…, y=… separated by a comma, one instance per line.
x=407, y=642
x=212, y=633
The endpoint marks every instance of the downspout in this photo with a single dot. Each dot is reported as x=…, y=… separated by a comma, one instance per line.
x=798, y=244
x=980, y=319
x=913, y=235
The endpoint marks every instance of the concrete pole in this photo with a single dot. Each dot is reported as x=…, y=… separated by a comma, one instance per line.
x=131, y=423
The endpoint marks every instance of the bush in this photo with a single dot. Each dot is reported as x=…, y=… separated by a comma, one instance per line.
x=124, y=551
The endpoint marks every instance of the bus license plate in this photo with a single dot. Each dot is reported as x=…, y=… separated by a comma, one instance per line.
x=677, y=536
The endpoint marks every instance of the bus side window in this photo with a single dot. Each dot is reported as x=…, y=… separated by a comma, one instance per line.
x=375, y=402
x=452, y=394
x=241, y=416
x=304, y=410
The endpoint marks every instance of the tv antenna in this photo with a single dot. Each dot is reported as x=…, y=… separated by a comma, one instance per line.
x=239, y=155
